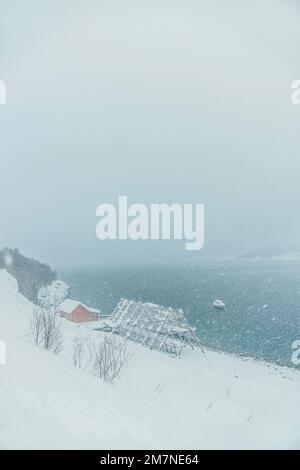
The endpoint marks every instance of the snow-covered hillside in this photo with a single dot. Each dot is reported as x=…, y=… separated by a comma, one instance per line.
x=161, y=402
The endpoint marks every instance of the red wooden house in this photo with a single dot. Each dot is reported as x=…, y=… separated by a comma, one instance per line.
x=78, y=312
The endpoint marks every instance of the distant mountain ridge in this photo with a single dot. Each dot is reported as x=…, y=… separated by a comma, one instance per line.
x=269, y=255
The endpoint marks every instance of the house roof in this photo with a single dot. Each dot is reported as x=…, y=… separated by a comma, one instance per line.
x=69, y=305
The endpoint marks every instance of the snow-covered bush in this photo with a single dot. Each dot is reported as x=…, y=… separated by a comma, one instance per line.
x=53, y=294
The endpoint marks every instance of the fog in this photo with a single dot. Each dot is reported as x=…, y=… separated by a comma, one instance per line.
x=162, y=101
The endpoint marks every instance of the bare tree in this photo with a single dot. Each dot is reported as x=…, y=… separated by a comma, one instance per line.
x=111, y=358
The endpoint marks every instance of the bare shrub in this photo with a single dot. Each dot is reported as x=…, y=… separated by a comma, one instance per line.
x=90, y=351
x=52, y=336
x=111, y=358
x=36, y=326
x=45, y=329
x=83, y=350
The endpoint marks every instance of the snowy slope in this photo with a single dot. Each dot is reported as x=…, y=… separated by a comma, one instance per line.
x=161, y=402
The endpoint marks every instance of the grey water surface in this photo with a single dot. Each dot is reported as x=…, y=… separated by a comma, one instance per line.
x=262, y=314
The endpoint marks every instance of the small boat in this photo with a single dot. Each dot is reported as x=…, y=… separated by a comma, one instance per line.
x=219, y=304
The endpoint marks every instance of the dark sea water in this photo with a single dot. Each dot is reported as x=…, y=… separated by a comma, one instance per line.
x=262, y=315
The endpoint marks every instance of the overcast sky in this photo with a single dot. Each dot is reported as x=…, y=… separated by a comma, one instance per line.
x=164, y=101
